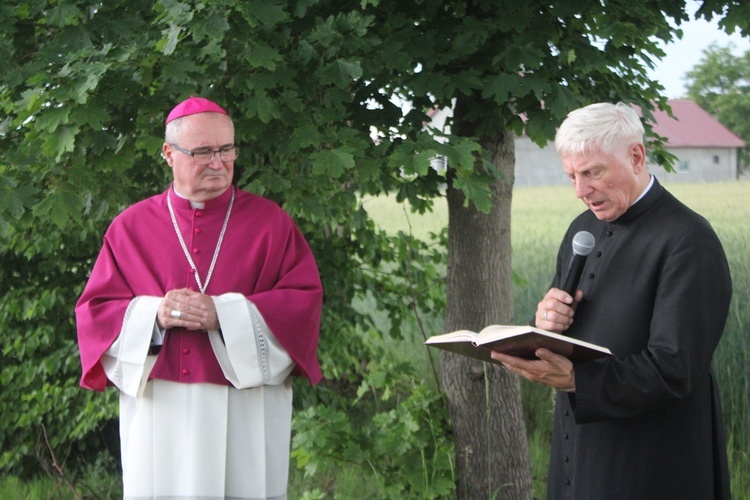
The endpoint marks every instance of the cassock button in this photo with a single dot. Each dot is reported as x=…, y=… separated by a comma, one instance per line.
x=610, y=233
x=566, y=413
x=565, y=435
x=566, y=459
x=196, y=250
x=186, y=351
x=185, y=371
x=598, y=254
x=567, y=482
x=592, y=276
x=199, y=213
x=197, y=230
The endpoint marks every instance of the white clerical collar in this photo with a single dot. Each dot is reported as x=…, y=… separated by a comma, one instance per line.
x=193, y=204
x=651, y=183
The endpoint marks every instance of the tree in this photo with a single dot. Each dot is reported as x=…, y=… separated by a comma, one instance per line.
x=720, y=84
x=85, y=91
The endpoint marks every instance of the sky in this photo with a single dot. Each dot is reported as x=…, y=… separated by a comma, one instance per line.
x=684, y=54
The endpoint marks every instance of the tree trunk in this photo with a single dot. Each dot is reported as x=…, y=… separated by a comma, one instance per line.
x=484, y=400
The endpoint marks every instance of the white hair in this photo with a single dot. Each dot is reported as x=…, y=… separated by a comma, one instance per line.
x=172, y=130
x=602, y=127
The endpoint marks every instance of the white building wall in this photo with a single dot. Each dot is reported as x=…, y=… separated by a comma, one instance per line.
x=700, y=165
x=536, y=166
x=542, y=167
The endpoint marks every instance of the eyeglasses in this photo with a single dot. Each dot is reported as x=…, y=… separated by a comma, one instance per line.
x=204, y=157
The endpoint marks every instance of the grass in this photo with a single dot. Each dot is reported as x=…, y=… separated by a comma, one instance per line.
x=94, y=483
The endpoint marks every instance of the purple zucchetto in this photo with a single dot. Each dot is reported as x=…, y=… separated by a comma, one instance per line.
x=192, y=106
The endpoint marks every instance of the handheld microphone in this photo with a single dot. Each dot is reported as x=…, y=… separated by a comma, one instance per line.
x=583, y=244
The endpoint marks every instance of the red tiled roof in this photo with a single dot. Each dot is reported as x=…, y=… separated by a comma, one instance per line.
x=693, y=127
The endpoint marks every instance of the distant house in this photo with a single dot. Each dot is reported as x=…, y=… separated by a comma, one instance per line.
x=706, y=150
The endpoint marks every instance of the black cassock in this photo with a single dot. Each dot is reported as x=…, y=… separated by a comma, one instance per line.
x=645, y=423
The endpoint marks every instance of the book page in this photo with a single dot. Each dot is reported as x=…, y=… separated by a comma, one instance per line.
x=457, y=336
x=495, y=332
x=464, y=348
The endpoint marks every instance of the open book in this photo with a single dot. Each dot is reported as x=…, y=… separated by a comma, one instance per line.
x=520, y=341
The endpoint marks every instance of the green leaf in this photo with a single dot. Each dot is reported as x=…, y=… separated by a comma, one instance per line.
x=58, y=208
x=476, y=190
x=262, y=13
x=171, y=37
x=462, y=152
x=211, y=26
x=63, y=14
x=262, y=56
x=331, y=162
x=522, y=56
x=93, y=116
x=94, y=72
x=61, y=142
x=262, y=107
x=304, y=136
x=571, y=56
x=15, y=199
x=341, y=72
x=500, y=88
x=49, y=120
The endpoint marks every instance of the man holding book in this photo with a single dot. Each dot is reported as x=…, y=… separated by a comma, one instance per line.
x=645, y=422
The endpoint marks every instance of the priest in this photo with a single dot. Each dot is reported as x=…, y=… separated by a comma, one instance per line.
x=203, y=302
x=646, y=422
